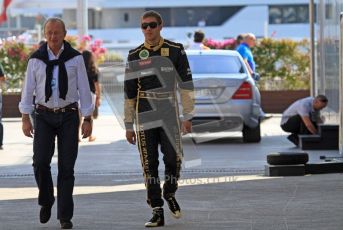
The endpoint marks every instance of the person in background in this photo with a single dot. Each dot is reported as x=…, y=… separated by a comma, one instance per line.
x=94, y=85
x=198, y=41
x=57, y=75
x=41, y=42
x=303, y=117
x=239, y=39
x=202, y=22
x=2, y=79
x=244, y=49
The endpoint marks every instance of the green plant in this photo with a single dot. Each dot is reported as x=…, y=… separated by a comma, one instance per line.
x=13, y=56
x=113, y=57
x=283, y=64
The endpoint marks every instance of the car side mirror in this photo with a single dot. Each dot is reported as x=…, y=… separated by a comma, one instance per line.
x=256, y=76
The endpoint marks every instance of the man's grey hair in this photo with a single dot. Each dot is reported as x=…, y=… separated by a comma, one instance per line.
x=55, y=19
x=249, y=36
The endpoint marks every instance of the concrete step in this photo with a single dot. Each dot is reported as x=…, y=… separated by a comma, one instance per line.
x=303, y=169
x=328, y=132
x=309, y=141
x=284, y=170
x=328, y=145
x=325, y=128
x=324, y=167
x=327, y=138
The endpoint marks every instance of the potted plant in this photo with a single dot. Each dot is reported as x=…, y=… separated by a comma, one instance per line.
x=13, y=56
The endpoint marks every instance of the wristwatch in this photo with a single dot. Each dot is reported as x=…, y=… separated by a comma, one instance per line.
x=88, y=119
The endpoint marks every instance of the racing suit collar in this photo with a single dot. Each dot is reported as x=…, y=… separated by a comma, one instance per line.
x=154, y=48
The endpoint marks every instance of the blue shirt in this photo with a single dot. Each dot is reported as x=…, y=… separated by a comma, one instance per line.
x=244, y=50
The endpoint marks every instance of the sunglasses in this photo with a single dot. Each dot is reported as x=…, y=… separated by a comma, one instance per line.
x=152, y=25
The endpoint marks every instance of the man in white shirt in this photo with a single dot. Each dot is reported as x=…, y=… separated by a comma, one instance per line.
x=303, y=116
x=198, y=42
x=56, y=74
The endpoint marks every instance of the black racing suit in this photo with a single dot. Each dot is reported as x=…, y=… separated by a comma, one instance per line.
x=152, y=76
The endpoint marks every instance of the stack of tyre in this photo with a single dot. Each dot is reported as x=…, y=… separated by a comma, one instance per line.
x=286, y=164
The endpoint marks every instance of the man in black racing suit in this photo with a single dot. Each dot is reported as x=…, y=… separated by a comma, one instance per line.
x=154, y=71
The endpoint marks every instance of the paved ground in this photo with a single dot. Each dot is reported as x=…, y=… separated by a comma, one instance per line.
x=226, y=191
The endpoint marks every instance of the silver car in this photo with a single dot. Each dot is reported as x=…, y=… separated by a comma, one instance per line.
x=226, y=96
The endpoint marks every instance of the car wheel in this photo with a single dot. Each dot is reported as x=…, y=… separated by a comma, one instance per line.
x=287, y=158
x=252, y=135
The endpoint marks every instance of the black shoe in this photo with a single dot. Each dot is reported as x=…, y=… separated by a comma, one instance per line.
x=157, y=218
x=45, y=214
x=66, y=224
x=294, y=139
x=173, y=206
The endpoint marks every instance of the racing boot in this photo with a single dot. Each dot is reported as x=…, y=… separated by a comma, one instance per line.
x=157, y=219
x=173, y=206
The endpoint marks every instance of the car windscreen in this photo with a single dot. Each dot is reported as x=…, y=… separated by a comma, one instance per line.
x=204, y=64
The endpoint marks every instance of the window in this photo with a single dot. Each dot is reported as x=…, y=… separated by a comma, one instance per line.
x=329, y=11
x=207, y=64
x=288, y=14
x=126, y=17
x=197, y=16
x=303, y=14
x=275, y=15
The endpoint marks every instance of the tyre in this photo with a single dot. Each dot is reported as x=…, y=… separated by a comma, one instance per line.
x=284, y=158
x=252, y=135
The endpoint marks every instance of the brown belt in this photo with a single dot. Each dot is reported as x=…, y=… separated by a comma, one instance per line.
x=68, y=108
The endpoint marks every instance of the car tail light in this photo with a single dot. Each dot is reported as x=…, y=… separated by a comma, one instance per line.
x=243, y=92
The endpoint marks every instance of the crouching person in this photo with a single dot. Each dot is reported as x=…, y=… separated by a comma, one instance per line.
x=303, y=117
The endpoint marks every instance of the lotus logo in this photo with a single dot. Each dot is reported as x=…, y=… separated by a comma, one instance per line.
x=144, y=54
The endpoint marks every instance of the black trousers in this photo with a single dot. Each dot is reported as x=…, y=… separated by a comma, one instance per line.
x=48, y=126
x=295, y=125
x=158, y=125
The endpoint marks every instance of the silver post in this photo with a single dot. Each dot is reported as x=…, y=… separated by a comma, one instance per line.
x=312, y=48
x=82, y=17
x=340, y=56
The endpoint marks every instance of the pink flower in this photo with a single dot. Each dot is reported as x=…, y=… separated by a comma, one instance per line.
x=225, y=44
x=102, y=50
x=97, y=42
x=23, y=56
x=11, y=52
x=86, y=38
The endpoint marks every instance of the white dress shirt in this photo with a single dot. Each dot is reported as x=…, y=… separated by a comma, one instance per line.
x=196, y=46
x=302, y=107
x=78, y=86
